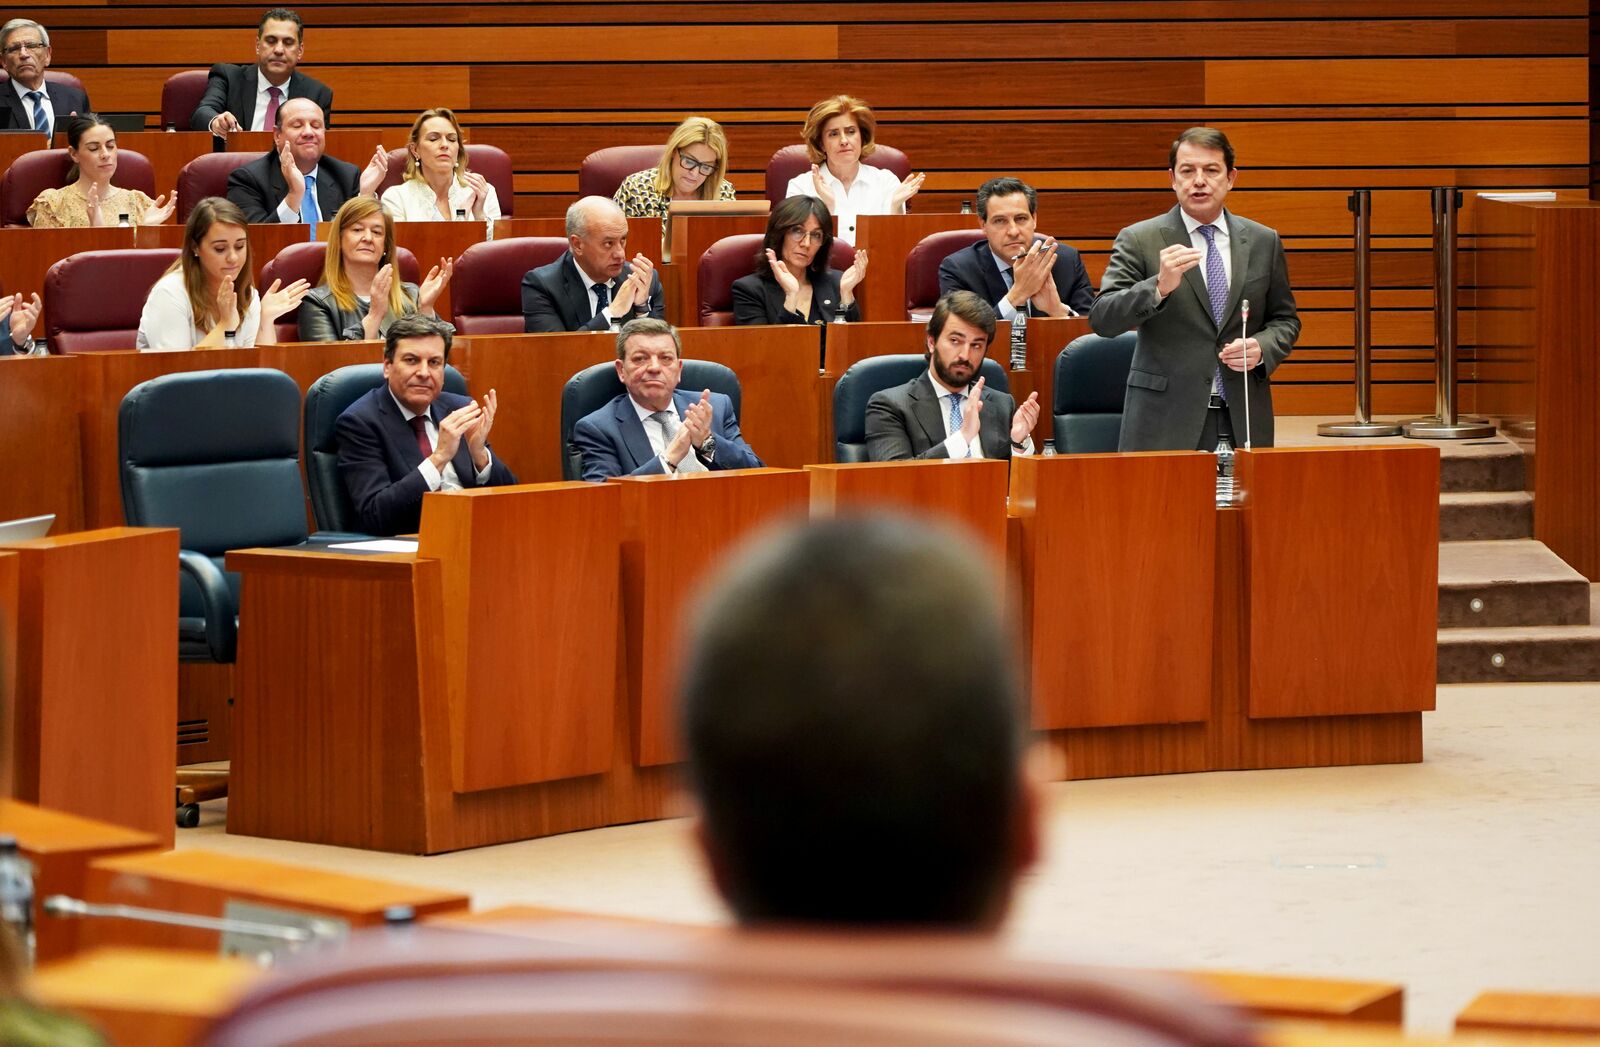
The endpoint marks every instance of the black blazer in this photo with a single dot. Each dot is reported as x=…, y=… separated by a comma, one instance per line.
x=972, y=269
x=232, y=89
x=555, y=298
x=64, y=99
x=757, y=299
x=908, y=422
x=258, y=187
x=378, y=459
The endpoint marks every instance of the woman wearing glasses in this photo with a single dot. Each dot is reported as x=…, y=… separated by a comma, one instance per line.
x=792, y=283
x=693, y=166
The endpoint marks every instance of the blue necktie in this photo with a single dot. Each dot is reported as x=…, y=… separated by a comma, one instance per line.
x=955, y=412
x=41, y=122
x=1217, y=288
x=309, y=211
x=602, y=298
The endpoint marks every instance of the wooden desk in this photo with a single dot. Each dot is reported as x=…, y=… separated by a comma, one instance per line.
x=167, y=152
x=61, y=846
x=145, y=996
x=38, y=401
x=1286, y=996
x=1047, y=337
x=644, y=234
x=1572, y=1014
x=96, y=735
x=691, y=236
x=888, y=239
x=969, y=494
x=673, y=536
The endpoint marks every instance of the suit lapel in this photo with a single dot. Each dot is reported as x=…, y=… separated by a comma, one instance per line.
x=400, y=431
x=577, y=292
x=1239, y=257
x=994, y=284
x=244, y=103
x=466, y=473
x=19, y=112
x=928, y=407
x=633, y=434
x=1175, y=232
x=994, y=426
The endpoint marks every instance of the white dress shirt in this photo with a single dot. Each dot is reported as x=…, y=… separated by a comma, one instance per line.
x=44, y=100
x=413, y=200
x=1198, y=240
x=955, y=444
x=594, y=299
x=870, y=193
x=439, y=479
x=289, y=216
x=168, y=319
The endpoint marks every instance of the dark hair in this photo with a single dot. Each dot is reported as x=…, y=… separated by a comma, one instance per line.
x=1202, y=138
x=417, y=325
x=76, y=128
x=968, y=306
x=792, y=214
x=851, y=767
x=1005, y=187
x=283, y=14
x=646, y=325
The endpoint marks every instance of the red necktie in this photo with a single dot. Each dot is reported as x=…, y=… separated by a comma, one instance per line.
x=270, y=121
x=419, y=425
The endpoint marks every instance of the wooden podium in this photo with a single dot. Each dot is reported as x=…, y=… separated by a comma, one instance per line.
x=969, y=494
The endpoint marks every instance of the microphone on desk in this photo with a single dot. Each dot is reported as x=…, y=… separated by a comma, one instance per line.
x=1244, y=339
x=288, y=937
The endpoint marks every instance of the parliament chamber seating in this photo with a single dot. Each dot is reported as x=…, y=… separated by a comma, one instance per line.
x=180, y=97
x=792, y=160
x=304, y=261
x=734, y=257
x=326, y=400
x=595, y=386
x=604, y=169
x=32, y=173
x=1091, y=382
x=93, y=299
x=207, y=175
x=51, y=76
x=486, y=290
x=922, y=267
x=856, y=386
x=488, y=160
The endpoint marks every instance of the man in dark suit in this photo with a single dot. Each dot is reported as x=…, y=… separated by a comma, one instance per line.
x=30, y=100
x=944, y=413
x=652, y=427
x=382, y=436
x=1180, y=279
x=247, y=97
x=1012, y=268
x=296, y=183
x=592, y=287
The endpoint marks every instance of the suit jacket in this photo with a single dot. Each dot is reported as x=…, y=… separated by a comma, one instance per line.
x=757, y=299
x=321, y=319
x=1169, y=385
x=908, y=422
x=258, y=187
x=232, y=89
x=612, y=440
x=556, y=298
x=64, y=99
x=378, y=459
x=972, y=269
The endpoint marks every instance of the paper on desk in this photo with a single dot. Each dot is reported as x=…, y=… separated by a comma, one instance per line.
x=377, y=545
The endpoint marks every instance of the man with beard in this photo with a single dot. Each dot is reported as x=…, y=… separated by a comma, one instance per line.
x=944, y=413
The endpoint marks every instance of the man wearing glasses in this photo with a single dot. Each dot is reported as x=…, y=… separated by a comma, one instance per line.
x=592, y=286
x=31, y=101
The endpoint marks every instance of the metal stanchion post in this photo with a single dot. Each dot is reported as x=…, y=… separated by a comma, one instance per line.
x=1360, y=204
x=1447, y=426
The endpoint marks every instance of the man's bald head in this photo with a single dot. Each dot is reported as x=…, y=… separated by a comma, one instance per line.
x=597, y=231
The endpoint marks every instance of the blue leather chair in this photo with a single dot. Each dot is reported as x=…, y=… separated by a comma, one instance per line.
x=594, y=387
x=326, y=400
x=856, y=386
x=1091, y=382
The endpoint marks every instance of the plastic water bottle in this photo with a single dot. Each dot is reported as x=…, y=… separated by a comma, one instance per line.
x=461, y=214
x=230, y=339
x=1224, y=454
x=966, y=207
x=124, y=221
x=1049, y=449
x=16, y=896
x=1019, y=340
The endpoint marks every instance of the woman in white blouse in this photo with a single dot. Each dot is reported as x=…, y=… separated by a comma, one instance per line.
x=438, y=187
x=838, y=133
x=208, y=298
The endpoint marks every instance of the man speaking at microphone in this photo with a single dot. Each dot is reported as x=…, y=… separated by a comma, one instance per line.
x=1180, y=279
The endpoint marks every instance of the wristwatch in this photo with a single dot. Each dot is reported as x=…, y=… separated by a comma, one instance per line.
x=708, y=450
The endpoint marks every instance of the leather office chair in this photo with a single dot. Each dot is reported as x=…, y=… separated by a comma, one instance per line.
x=791, y=160
x=186, y=462
x=922, y=266
x=32, y=173
x=604, y=169
x=734, y=257
x=326, y=400
x=304, y=261
x=488, y=160
x=51, y=76
x=207, y=175
x=180, y=97
x=486, y=291
x=1091, y=382
x=595, y=386
x=93, y=299
x=865, y=377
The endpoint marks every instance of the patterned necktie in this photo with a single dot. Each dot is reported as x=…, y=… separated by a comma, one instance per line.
x=309, y=211
x=668, y=421
x=41, y=122
x=270, y=120
x=955, y=412
x=602, y=298
x=1009, y=275
x=1217, y=288
x=419, y=425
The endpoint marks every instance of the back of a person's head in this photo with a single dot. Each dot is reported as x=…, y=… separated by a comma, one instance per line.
x=853, y=732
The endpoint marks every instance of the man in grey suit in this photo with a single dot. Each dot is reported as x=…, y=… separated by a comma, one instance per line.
x=943, y=413
x=1180, y=279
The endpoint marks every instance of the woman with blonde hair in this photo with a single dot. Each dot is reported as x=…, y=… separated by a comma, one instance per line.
x=839, y=132
x=694, y=166
x=438, y=185
x=208, y=298
x=361, y=293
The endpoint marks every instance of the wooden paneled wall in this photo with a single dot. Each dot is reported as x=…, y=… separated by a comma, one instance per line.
x=1081, y=98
